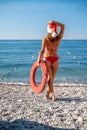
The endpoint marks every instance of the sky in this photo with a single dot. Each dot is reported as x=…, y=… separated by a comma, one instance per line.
x=28, y=19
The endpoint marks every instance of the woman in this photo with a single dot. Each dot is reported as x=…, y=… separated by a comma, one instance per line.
x=50, y=45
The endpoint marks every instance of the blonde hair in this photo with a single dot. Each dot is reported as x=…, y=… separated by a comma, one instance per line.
x=52, y=39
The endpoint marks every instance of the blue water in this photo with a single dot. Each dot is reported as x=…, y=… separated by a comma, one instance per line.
x=18, y=56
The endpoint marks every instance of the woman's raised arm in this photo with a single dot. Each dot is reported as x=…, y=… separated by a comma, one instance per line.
x=62, y=26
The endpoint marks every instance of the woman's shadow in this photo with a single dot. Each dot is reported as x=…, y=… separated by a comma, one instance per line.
x=21, y=124
x=68, y=99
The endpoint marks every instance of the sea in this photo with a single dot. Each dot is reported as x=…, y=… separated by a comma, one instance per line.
x=18, y=56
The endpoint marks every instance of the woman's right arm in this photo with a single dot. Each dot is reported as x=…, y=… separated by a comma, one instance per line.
x=41, y=53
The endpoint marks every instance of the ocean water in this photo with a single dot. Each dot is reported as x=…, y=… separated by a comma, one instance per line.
x=18, y=56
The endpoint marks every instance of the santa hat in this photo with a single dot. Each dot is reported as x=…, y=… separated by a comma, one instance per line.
x=52, y=28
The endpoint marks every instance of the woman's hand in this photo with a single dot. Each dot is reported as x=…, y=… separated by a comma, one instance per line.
x=38, y=62
x=57, y=23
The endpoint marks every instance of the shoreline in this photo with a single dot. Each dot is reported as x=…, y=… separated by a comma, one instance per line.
x=22, y=109
x=66, y=84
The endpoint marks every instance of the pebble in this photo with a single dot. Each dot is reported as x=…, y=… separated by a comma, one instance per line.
x=80, y=120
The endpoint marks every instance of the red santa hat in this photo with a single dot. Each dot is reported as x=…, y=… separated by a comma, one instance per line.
x=52, y=28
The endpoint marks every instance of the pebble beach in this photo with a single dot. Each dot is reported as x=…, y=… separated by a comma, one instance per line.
x=22, y=109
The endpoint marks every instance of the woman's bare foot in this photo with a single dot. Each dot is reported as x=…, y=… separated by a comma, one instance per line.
x=53, y=98
x=47, y=95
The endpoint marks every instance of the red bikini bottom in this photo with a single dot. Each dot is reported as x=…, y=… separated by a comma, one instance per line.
x=51, y=59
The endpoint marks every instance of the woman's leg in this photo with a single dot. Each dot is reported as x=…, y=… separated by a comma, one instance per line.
x=50, y=80
x=54, y=71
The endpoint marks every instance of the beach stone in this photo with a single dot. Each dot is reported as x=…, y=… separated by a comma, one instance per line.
x=80, y=120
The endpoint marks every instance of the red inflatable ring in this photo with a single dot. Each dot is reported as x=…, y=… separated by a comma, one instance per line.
x=38, y=88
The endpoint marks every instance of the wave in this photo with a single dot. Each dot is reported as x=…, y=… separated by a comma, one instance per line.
x=2, y=76
x=55, y=84
x=13, y=83
x=70, y=84
x=8, y=65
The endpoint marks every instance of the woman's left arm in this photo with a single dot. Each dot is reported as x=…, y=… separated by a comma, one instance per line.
x=62, y=26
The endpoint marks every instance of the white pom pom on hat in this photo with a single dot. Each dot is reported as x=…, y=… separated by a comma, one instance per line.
x=54, y=34
x=52, y=28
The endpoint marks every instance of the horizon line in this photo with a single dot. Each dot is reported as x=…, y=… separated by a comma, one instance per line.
x=37, y=39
